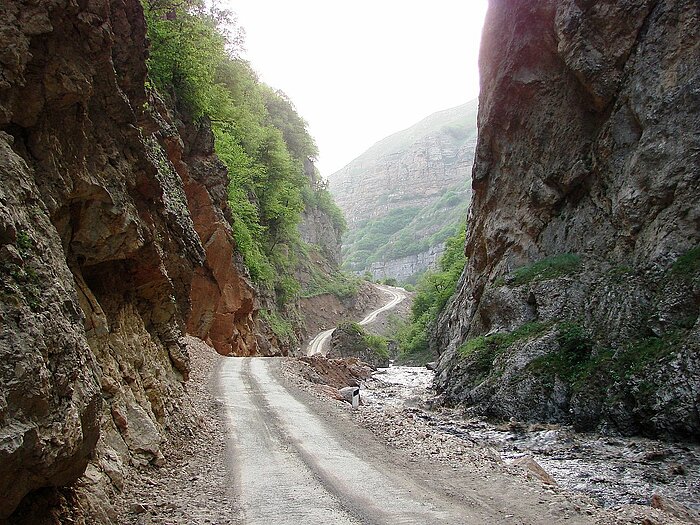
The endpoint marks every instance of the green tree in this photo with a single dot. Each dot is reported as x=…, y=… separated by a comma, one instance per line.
x=259, y=136
x=433, y=291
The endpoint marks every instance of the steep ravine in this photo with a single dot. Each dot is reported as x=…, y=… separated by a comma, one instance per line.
x=579, y=302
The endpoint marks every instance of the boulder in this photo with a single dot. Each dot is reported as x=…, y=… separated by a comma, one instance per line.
x=529, y=464
x=351, y=340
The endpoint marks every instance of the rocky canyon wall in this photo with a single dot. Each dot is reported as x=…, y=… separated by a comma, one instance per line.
x=403, y=268
x=579, y=302
x=113, y=240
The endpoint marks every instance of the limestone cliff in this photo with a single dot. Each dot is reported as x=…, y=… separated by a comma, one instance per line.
x=580, y=299
x=113, y=237
x=317, y=227
x=405, y=195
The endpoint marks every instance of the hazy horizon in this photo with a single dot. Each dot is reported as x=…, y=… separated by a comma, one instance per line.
x=358, y=73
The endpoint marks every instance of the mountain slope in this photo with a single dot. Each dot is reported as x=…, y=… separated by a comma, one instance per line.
x=407, y=194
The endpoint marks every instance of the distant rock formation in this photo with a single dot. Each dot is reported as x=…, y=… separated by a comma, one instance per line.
x=407, y=194
x=408, y=266
x=579, y=303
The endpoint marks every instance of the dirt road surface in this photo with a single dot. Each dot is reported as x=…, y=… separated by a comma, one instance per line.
x=319, y=344
x=294, y=461
x=269, y=447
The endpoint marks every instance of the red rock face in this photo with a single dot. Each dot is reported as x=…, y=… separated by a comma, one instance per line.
x=222, y=298
x=223, y=302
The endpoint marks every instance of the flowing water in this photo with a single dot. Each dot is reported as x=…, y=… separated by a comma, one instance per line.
x=614, y=470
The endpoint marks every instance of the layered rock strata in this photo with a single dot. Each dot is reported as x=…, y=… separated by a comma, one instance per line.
x=583, y=235
x=410, y=168
x=404, y=268
x=401, y=196
x=110, y=230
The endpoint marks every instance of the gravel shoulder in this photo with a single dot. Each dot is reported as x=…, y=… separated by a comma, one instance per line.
x=193, y=486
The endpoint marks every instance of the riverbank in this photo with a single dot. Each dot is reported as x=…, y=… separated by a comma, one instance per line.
x=396, y=408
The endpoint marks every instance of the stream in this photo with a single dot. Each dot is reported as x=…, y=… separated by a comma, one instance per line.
x=613, y=470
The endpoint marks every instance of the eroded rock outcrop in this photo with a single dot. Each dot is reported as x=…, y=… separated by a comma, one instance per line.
x=101, y=258
x=584, y=230
x=223, y=299
x=350, y=340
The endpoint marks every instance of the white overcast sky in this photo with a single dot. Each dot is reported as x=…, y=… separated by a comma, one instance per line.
x=360, y=70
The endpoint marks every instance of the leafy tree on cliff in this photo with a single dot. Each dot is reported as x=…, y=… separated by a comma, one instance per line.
x=258, y=133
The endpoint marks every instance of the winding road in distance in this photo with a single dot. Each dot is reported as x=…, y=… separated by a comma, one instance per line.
x=319, y=343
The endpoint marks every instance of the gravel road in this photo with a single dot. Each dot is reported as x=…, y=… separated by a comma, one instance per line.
x=296, y=462
x=269, y=447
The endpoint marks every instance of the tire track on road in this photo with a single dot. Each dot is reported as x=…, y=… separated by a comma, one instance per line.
x=282, y=448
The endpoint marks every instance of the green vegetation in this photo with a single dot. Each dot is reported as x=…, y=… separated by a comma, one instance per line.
x=373, y=234
x=322, y=199
x=405, y=231
x=375, y=343
x=636, y=355
x=433, y=292
x=574, y=339
x=687, y=264
x=281, y=327
x=258, y=134
x=432, y=223
x=620, y=270
x=24, y=243
x=483, y=350
x=578, y=361
x=501, y=341
x=548, y=268
x=342, y=285
x=23, y=278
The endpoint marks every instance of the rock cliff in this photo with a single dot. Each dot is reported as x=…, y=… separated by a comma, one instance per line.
x=113, y=238
x=404, y=268
x=579, y=302
x=404, y=196
x=317, y=227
